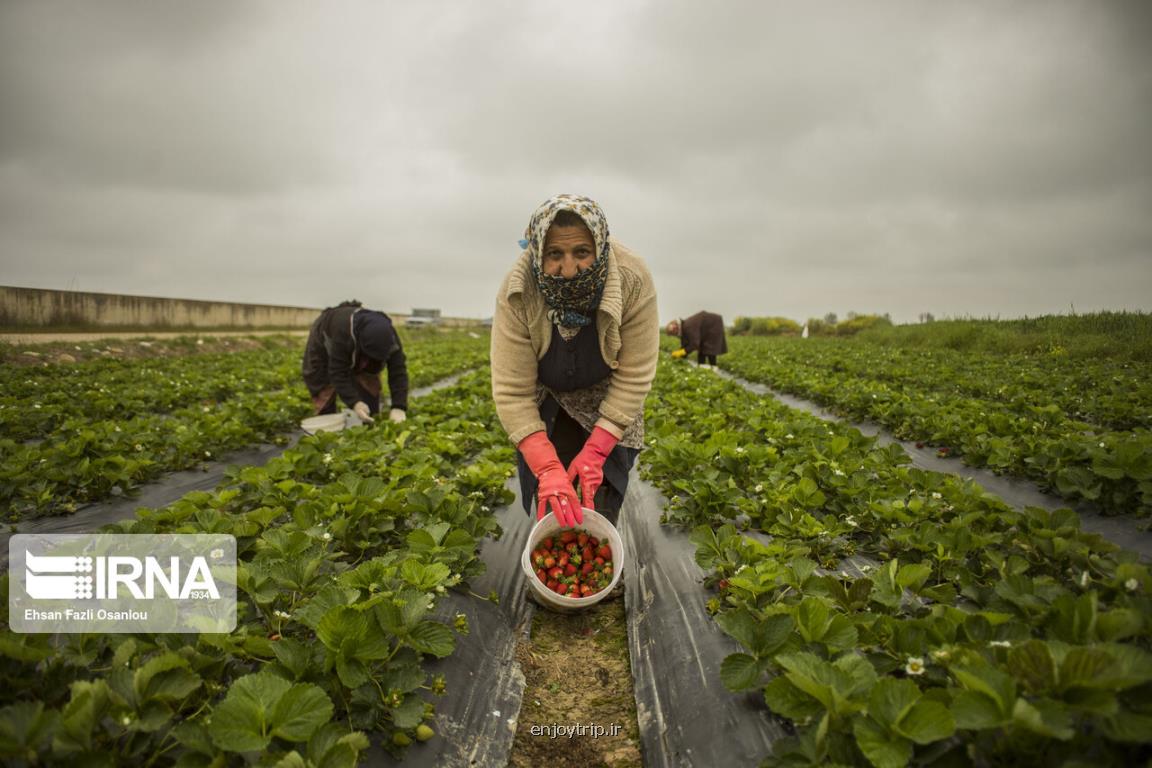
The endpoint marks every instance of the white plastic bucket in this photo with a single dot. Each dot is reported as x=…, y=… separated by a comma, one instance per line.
x=598, y=526
x=330, y=422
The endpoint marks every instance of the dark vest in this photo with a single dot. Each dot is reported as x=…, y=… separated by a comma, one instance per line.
x=575, y=363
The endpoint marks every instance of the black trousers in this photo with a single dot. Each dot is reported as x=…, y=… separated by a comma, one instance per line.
x=702, y=358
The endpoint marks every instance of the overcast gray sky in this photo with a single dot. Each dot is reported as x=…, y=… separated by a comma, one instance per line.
x=765, y=158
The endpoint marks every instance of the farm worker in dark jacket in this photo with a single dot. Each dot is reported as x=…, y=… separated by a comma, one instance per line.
x=347, y=348
x=575, y=339
x=703, y=333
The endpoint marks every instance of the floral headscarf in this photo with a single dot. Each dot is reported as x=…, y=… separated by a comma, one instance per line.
x=572, y=301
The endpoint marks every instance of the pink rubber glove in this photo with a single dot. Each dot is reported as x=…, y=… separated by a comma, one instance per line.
x=589, y=463
x=554, y=486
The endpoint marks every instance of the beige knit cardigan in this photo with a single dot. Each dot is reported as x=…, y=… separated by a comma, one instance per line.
x=629, y=325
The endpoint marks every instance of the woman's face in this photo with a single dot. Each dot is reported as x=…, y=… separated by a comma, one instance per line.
x=568, y=251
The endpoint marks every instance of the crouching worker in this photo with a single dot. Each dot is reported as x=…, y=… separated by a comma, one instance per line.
x=348, y=346
x=703, y=333
x=575, y=340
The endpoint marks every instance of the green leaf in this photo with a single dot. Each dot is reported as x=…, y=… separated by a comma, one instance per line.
x=991, y=682
x=165, y=678
x=340, y=624
x=26, y=727
x=810, y=674
x=882, y=749
x=86, y=707
x=300, y=711
x=1119, y=624
x=739, y=672
x=1074, y=618
x=193, y=734
x=325, y=600
x=841, y=634
x=891, y=699
x=1085, y=667
x=410, y=713
x=1032, y=664
x=976, y=711
x=855, y=675
x=291, y=760
x=294, y=655
x=760, y=637
x=927, y=722
x=786, y=700
x=1129, y=727
x=913, y=576
x=1045, y=717
x=812, y=619
x=352, y=672
x=432, y=637
x=240, y=722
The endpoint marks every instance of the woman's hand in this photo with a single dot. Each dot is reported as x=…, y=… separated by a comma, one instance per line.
x=588, y=465
x=554, y=486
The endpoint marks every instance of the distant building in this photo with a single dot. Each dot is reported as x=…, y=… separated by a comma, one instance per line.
x=423, y=317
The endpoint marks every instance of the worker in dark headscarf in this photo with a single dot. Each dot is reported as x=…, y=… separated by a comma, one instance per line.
x=575, y=339
x=702, y=333
x=347, y=349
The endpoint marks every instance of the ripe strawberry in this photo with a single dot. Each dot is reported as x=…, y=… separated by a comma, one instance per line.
x=546, y=543
x=567, y=536
x=555, y=572
x=542, y=574
x=604, y=551
x=549, y=561
x=569, y=569
x=586, y=569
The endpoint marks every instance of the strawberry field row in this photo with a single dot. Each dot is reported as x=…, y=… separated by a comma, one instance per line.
x=1027, y=435
x=974, y=634
x=90, y=455
x=345, y=545
x=1113, y=394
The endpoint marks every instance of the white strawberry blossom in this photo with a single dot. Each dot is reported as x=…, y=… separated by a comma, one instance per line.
x=759, y=488
x=1131, y=585
x=1000, y=644
x=937, y=496
x=281, y=614
x=1084, y=579
x=915, y=665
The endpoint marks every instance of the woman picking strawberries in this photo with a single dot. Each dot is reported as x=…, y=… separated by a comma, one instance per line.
x=575, y=339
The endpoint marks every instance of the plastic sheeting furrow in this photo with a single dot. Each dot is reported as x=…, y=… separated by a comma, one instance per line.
x=686, y=716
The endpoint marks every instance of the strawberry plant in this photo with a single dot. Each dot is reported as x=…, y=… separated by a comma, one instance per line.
x=897, y=616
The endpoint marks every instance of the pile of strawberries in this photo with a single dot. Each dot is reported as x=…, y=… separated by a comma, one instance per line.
x=573, y=563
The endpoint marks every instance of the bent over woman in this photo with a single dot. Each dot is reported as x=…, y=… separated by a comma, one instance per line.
x=575, y=340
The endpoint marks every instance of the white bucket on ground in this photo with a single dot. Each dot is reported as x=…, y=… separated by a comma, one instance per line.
x=330, y=422
x=598, y=526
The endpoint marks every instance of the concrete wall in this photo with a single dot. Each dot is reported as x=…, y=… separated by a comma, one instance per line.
x=36, y=308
